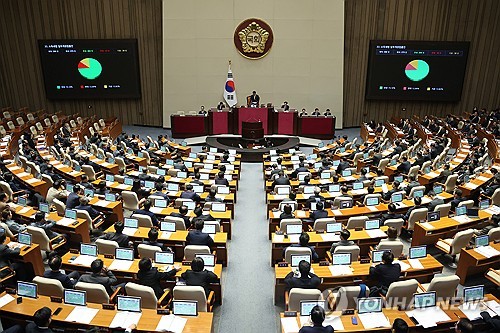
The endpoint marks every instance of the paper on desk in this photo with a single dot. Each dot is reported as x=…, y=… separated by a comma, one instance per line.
x=331, y=237
x=376, y=233
x=22, y=174
x=415, y=263
x=124, y=319
x=358, y=192
x=385, y=189
x=472, y=310
x=349, y=178
x=493, y=210
x=84, y=260
x=121, y=265
x=278, y=238
x=462, y=219
x=294, y=238
x=156, y=210
x=300, y=214
x=487, y=251
x=324, y=181
x=426, y=200
x=82, y=314
x=14, y=168
x=338, y=270
x=290, y=325
x=337, y=212
x=6, y=299
x=433, y=174
x=374, y=320
x=427, y=225
x=404, y=266
x=129, y=231
x=483, y=178
x=279, y=196
x=174, y=179
x=165, y=235
x=32, y=180
x=429, y=317
x=372, y=208
x=493, y=306
x=101, y=203
x=123, y=187
x=171, y=323
x=335, y=322
x=65, y=221
x=24, y=210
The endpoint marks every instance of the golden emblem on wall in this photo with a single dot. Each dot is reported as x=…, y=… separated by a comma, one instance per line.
x=253, y=38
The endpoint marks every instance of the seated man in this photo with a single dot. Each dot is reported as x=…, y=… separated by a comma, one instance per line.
x=287, y=213
x=189, y=193
x=14, y=226
x=153, y=240
x=319, y=213
x=457, y=198
x=46, y=225
x=198, y=237
x=316, y=197
x=391, y=214
x=412, y=182
x=73, y=199
x=85, y=205
x=117, y=236
x=100, y=275
x=418, y=204
x=317, y=318
x=281, y=179
x=150, y=277
x=399, y=326
x=344, y=240
x=41, y=321
x=303, y=278
x=384, y=273
x=212, y=196
x=404, y=166
x=85, y=182
x=159, y=192
x=145, y=211
x=392, y=236
x=199, y=276
x=434, y=201
x=183, y=210
x=395, y=188
x=68, y=281
x=202, y=214
x=220, y=180
x=304, y=242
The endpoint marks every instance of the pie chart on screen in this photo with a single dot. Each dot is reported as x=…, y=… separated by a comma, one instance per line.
x=417, y=70
x=89, y=68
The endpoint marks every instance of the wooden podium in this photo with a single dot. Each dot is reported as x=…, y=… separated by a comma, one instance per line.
x=252, y=130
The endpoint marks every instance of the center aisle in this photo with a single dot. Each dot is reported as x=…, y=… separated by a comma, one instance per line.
x=249, y=280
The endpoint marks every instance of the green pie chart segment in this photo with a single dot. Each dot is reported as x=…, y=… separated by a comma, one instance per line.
x=417, y=70
x=89, y=68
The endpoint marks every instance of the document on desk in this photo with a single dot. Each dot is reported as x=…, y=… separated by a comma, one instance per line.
x=24, y=210
x=427, y=225
x=290, y=325
x=103, y=203
x=279, y=196
x=165, y=235
x=415, y=263
x=426, y=200
x=121, y=265
x=372, y=208
x=493, y=306
x=335, y=321
x=32, y=180
x=129, y=231
x=433, y=174
x=331, y=237
x=487, y=251
x=404, y=266
x=483, y=178
x=278, y=238
x=294, y=238
x=462, y=219
x=358, y=192
x=338, y=270
x=385, y=189
x=429, y=317
x=300, y=214
x=472, y=310
x=84, y=260
x=156, y=210
x=171, y=323
x=22, y=174
x=6, y=299
x=82, y=314
x=349, y=178
x=124, y=319
x=374, y=320
x=65, y=221
x=376, y=233
x=337, y=212
x=123, y=187
x=493, y=210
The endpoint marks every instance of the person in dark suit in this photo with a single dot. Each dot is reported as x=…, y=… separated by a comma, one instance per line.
x=220, y=180
x=23, y=272
x=183, y=210
x=287, y=213
x=285, y=106
x=304, y=242
x=391, y=214
x=44, y=224
x=302, y=168
x=493, y=222
x=434, y=201
x=117, y=236
x=67, y=280
x=457, y=198
x=145, y=211
x=189, y=193
x=199, y=214
x=385, y=273
x=395, y=188
x=399, y=326
x=199, y=276
x=412, y=182
x=253, y=100
x=100, y=275
x=419, y=160
x=491, y=188
x=464, y=325
x=150, y=277
x=197, y=237
x=281, y=179
x=316, y=112
x=212, y=196
x=445, y=173
x=84, y=205
x=202, y=111
x=319, y=213
x=317, y=318
x=418, y=204
x=159, y=192
x=153, y=240
x=494, y=322
x=316, y=197
x=344, y=240
x=404, y=166
x=85, y=182
x=303, y=278
x=41, y=321
x=73, y=199
x=344, y=164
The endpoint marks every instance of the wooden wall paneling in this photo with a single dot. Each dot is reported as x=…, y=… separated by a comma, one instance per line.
x=23, y=22
x=454, y=20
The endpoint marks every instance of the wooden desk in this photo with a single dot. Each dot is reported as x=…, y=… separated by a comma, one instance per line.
x=33, y=256
x=471, y=263
x=361, y=238
x=28, y=180
x=177, y=240
x=115, y=207
x=148, y=322
x=446, y=227
x=360, y=274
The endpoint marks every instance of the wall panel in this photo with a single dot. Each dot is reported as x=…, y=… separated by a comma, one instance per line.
x=23, y=22
x=454, y=20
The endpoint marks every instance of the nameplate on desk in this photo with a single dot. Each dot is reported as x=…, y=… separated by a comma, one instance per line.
x=347, y=312
x=74, y=251
x=10, y=291
x=56, y=299
x=108, y=256
x=282, y=264
x=162, y=311
x=290, y=314
x=324, y=263
x=107, y=306
x=186, y=263
x=358, y=228
x=364, y=261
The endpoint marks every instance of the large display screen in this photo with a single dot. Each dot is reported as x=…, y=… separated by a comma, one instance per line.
x=90, y=68
x=416, y=70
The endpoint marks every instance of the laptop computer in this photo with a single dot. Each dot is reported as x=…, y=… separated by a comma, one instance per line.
x=308, y=189
x=149, y=184
x=128, y=303
x=341, y=258
x=398, y=179
x=198, y=188
x=433, y=216
x=70, y=214
x=334, y=227
x=161, y=172
x=346, y=173
x=472, y=212
x=373, y=201
x=22, y=201
x=418, y=193
x=482, y=241
x=223, y=190
x=110, y=197
x=417, y=252
x=357, y=186
x=369, y=305
x=297, y=258
x=209, y=228
x=218, y=207
x=191, y=205
x=167, y=226
x=24, y=238
x=372, y=224
x=424, y=300
x=325, y=175
x=185, y=308
x=208, y=259
x=124, y=254
x=472, y=294
x=75, y=297
x=283, y=190
x=173, y=187
x=484, y=204
x=293, y=229
x=110, y=178
x=396, y=197
x=161, y=203
x=462, y=210
x=307, y=306
x=130, y=222
x=27, y=289
x=88, y=193
x=437, y=189
x=334, y=188
x=377, y=255
x=165, y=258
x=379, y=182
